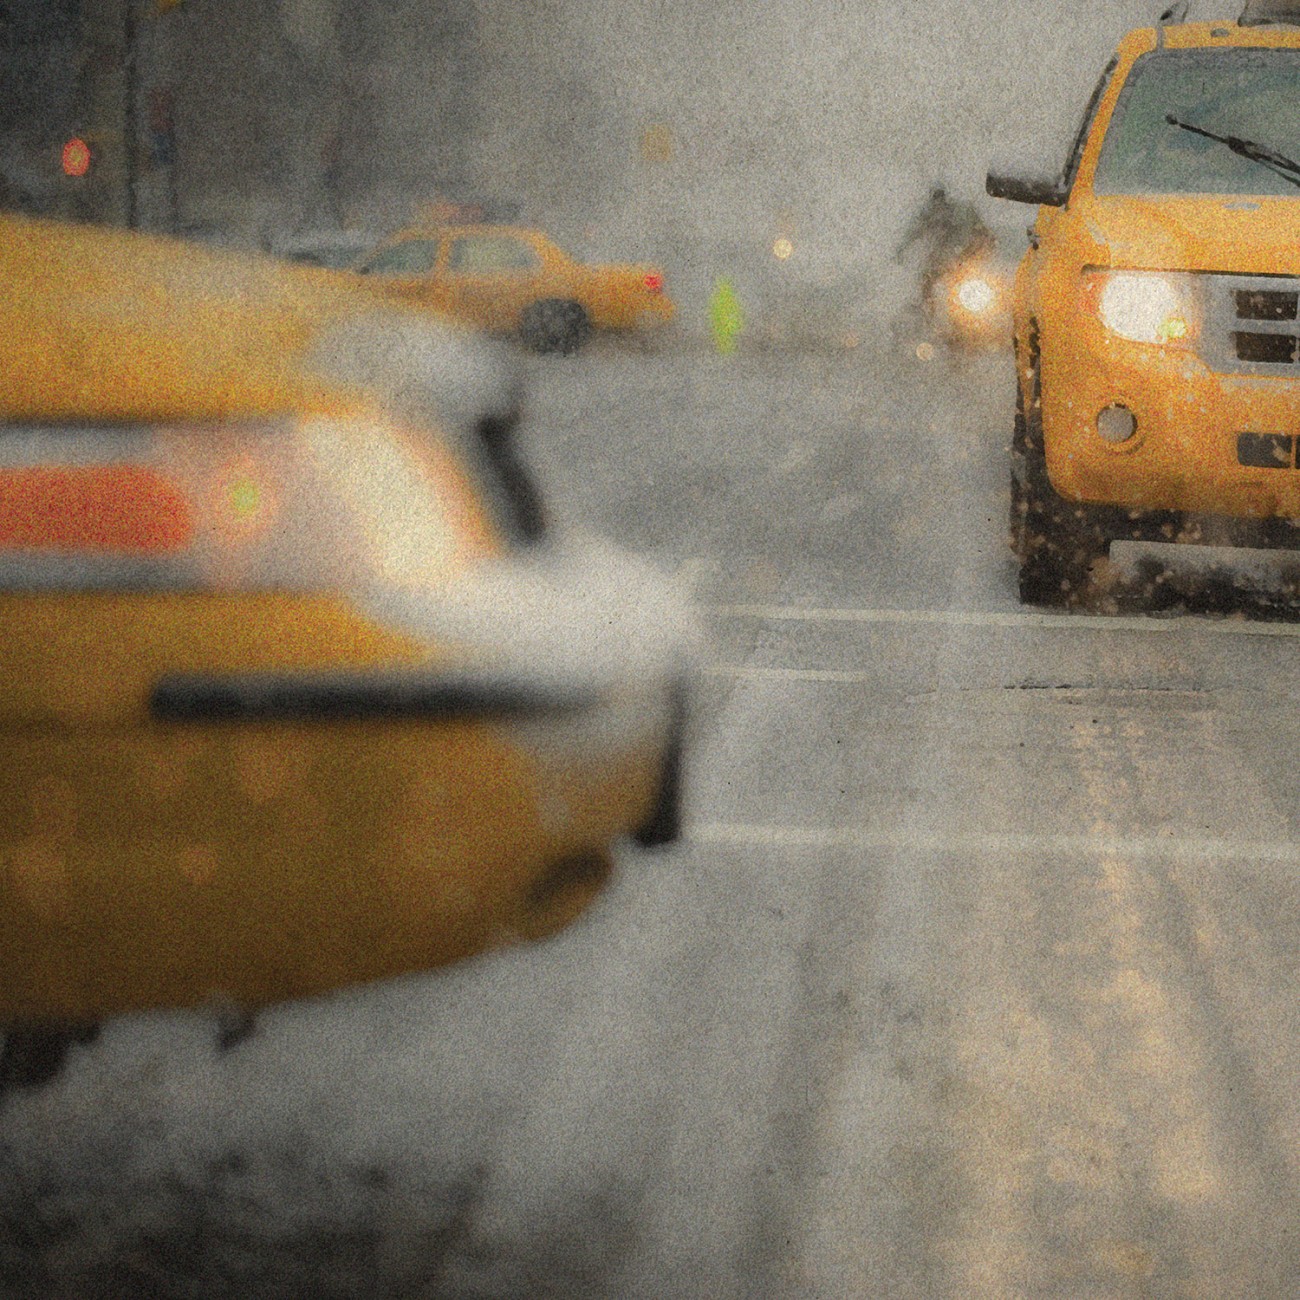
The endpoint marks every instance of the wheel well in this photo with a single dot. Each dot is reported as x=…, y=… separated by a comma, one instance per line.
x=1026, y=350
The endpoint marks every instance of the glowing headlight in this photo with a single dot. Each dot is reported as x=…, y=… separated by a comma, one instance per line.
x=976, y=295
x=1145, y=306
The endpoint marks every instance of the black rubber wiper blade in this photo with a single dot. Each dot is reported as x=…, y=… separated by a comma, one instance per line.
x=1278, y=163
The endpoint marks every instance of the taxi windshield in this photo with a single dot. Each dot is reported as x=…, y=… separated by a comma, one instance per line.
x=1250, y=95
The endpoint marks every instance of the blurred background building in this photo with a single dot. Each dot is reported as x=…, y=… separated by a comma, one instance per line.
x=237, y=118
x=699, y=135
x=41, y=60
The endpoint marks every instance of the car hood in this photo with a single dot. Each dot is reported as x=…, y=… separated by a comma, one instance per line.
x=1223, y=233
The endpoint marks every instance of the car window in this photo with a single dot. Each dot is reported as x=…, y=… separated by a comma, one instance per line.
x=486, y=253
x=1247, y=94
x=336, y=259
x=410, y=257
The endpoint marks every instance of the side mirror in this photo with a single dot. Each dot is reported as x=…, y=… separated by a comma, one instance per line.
x=1026, y=187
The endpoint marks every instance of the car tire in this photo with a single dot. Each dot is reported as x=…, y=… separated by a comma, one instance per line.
x=1056, y=542
x=555, y=325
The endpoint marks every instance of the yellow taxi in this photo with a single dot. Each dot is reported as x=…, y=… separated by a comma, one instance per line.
x=514, y=280
x=297, y=688
x=1157, y=327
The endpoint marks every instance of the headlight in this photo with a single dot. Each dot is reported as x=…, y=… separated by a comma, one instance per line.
x=976, y=295
x=1145, y=306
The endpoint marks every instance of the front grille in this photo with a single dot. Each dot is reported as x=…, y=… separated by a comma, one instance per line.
x=1267, y=349
x=1268, y=306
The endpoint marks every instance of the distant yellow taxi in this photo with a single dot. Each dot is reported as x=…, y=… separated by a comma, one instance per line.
x=1156, y=320
x=514, y=280
x=296, y=687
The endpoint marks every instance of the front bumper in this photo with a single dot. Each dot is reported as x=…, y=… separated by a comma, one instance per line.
x=602, y=634
x=1195, y=427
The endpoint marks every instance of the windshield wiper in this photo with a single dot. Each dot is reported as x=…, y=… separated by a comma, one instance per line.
x=1278, y=163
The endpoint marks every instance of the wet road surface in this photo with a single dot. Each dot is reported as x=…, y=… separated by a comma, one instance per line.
x=972, y=978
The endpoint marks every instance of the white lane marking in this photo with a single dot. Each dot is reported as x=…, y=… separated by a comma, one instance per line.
x=977, y=618
x=758, y=674
x=859, y=676
x=752, y=835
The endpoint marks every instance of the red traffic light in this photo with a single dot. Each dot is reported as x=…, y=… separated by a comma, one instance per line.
x=76, y=157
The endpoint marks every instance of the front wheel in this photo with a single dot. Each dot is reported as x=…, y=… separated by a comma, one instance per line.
x=33, y=1055
x=1056, y=542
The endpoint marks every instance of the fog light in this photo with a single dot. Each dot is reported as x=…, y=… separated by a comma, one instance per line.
x=1116, y=424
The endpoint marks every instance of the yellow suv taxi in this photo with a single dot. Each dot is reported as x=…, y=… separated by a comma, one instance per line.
x=1157, y=311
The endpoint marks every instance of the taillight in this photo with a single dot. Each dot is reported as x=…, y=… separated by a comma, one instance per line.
x=653, y=282
x=109, y=509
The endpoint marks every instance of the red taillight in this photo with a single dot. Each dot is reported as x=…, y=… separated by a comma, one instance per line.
x=116, y=509
x=654, y=282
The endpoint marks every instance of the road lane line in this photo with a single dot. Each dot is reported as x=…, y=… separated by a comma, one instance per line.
x=757, y=673
x=754, y=835
x=978, y=618
x=776, y=673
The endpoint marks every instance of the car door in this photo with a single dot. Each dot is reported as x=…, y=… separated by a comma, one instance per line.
x=226, y=774
x=491, y=276
x=407, y=268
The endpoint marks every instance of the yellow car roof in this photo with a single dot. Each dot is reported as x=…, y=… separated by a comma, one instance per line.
x=1213, y=35
x=99, y=323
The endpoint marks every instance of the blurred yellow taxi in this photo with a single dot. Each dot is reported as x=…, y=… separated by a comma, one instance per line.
x=513, y=280
x=296, y=687
x=1156, y=320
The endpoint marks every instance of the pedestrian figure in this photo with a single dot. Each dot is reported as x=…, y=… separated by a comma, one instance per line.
x=725, y=316
x=948, y=231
